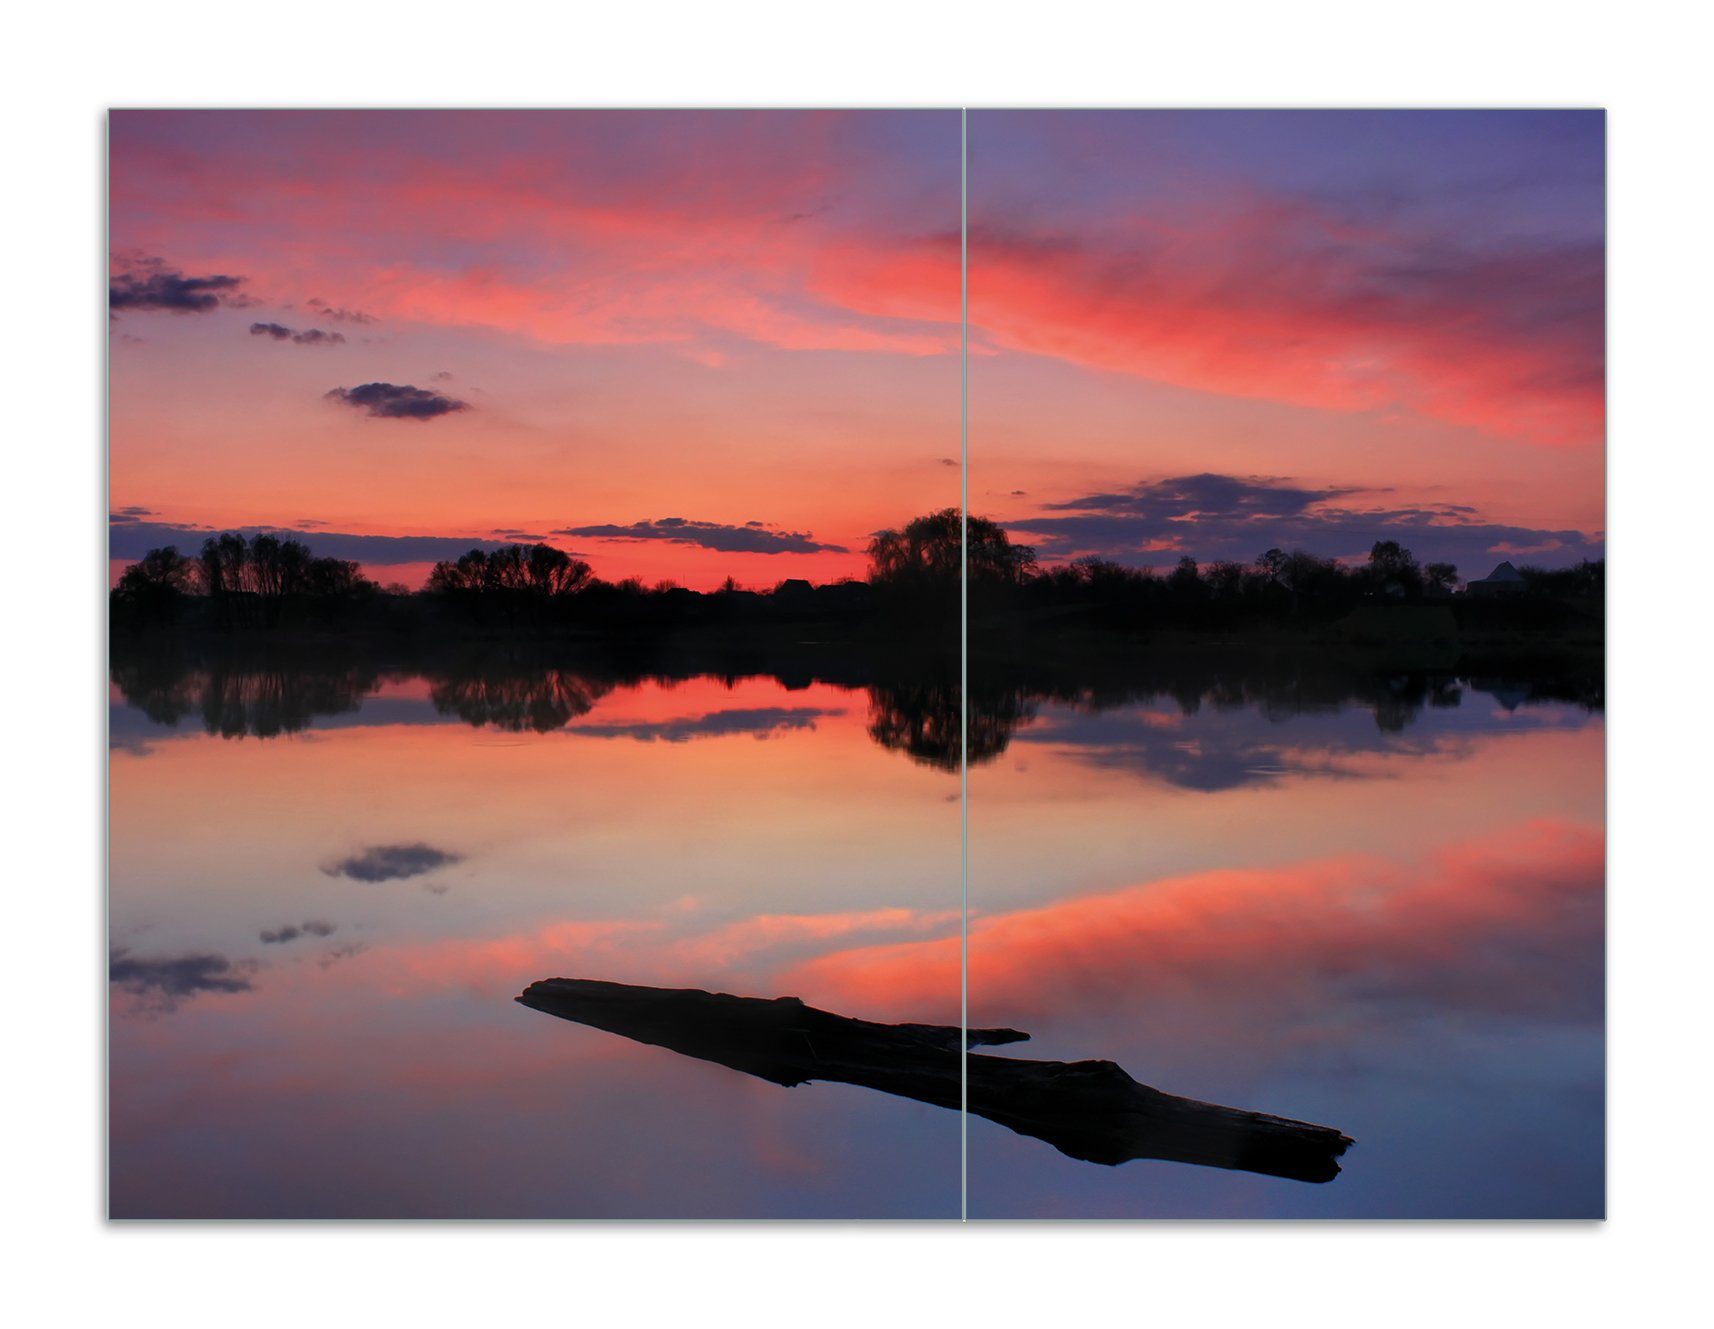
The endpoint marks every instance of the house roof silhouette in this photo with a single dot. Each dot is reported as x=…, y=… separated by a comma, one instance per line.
x=1505, y=572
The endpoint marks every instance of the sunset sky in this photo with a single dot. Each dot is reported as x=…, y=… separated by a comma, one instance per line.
x=698, y=343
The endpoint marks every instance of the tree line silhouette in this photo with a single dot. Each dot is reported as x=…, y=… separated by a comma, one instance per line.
x=916, y=581
x=260, y=581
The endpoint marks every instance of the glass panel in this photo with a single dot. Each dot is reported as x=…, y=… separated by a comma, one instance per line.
x=1287, y=766
x=352, y=819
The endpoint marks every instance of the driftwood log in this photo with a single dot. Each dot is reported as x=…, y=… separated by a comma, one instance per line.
x=1089, y=1110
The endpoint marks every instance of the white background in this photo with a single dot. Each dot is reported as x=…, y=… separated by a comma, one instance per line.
x=1646, y=62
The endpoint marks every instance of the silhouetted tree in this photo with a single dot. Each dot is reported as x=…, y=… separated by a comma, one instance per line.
x=465, y=576
x=248, y=581
x=332, y=589
x=239, y=583
x=512, y=582
x=151, y=592
x=276, y=568
x=915, y=570
x=1440, y=576
x=335, y=577
x=1225, y=580
x=1186, y=578
x=1586, y=580
x=926, y=552
x=1393, y=569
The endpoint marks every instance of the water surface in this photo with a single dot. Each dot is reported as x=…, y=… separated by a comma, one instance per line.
x=1361, y=899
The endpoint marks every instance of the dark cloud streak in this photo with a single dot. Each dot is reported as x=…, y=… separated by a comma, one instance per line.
x=392, y=862
x=396, y=401
x=290, y=932
x=720, y=536
x=160, y=984
x=129, y=538
x=308, y=337
x=339, y=315
x=759, y=722
x=1212, y=517
x=148, y=283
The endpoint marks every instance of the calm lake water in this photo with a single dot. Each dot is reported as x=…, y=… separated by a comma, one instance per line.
x=1369, y=902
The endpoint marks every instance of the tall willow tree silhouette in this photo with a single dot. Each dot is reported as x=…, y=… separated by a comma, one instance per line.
x=915, y=569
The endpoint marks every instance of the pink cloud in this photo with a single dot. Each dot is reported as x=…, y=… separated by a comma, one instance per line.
x=1282, y=303
x=1512, y=922
x=563, y=241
